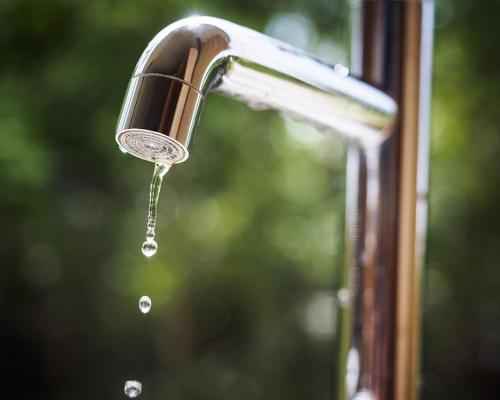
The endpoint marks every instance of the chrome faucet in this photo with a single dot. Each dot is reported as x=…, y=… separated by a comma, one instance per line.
x=197, y=55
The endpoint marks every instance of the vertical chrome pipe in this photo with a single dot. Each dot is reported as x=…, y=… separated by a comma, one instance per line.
x=386, y=216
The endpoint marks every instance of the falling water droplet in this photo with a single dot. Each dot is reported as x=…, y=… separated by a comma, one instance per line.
x=133, y=388
x=145, y=304
x=150, y=234
x=149, y=248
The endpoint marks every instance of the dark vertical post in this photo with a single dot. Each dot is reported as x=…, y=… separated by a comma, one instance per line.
x=386, y=218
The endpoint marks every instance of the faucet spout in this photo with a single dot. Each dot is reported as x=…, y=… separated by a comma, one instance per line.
x=196, y=55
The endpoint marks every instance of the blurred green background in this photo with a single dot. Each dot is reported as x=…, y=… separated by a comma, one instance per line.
x=250, y=228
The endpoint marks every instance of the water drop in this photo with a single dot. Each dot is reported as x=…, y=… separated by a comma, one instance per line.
x=123, y=149
x=145, y=304
x=149, y=248
x=133, y=388
x=342, y=70
x=150, y=234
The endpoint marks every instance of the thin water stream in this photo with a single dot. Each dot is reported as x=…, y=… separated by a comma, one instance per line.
x=149, y=247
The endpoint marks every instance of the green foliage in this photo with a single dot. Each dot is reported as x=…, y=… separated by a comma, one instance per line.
x=462, y=318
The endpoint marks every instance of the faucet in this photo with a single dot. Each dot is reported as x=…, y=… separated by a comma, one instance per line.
x=197, y=55
x=382, y=114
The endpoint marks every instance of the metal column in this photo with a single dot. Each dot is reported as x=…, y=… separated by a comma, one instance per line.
x=386, y=210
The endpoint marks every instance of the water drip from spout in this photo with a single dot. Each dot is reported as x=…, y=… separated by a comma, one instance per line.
x=149, y=247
